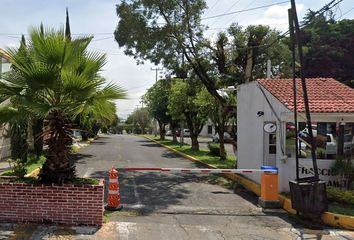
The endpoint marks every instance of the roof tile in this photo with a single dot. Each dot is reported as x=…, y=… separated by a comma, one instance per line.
x=326, y=95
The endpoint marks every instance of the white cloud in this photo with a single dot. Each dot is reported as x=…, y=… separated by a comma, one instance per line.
x=280, y=12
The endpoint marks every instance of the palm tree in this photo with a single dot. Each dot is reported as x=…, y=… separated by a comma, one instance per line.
x=58, y=79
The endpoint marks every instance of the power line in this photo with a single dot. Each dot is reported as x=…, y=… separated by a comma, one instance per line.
x=346, y=12
x=231, y=19
x=215, y=3
x=228, y=11
x=245, y=10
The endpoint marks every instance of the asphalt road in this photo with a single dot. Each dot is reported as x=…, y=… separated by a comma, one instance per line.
x=180, y=206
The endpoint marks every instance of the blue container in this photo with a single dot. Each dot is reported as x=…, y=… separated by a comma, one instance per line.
x=269, y=168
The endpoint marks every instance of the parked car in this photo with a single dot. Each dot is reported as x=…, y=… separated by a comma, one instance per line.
x=331, y=145
x=77, y=135
x=215, y=137
x=169, y=133
x=186, y=133
x=290, y=126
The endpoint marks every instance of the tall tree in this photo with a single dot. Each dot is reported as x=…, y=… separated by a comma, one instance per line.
x=141, y=118
x=156, y=99
x=156, y=29
x=329, y=43
x=182, y=103
x=58, y=80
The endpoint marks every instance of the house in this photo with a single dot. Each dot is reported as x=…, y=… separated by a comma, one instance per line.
x=4, y=141
x=208, y=129
x=265, y=126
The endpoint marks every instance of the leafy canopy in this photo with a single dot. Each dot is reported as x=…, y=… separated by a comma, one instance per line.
x=52, y=73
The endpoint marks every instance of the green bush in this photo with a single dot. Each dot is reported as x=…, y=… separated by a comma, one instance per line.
x=19, y=169
x=214, y=149
x=290, y=134
x=341, y=196
x=321, y=153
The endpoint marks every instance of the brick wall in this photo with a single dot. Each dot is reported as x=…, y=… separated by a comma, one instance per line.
x=66, y=204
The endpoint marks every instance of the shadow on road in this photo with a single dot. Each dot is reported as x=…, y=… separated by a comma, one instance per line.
x=77, y=158
x=150, y=191
x=98, y=143
x=168, y=154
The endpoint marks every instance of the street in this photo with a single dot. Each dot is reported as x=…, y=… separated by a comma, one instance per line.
x=180, y=206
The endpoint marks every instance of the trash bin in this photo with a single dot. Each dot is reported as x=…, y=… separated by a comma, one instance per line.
x=309, y=197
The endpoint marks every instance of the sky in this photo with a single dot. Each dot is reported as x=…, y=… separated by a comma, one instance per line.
x=98, y=18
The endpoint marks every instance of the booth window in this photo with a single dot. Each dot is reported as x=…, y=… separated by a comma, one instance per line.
x=272, y=143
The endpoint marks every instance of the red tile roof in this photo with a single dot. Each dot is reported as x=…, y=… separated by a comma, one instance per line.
x=326, y=95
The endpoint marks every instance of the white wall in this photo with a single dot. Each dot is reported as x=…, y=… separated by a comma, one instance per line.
x=4, y=142
x=288, y=172
x=250, y=100
x=204, y=132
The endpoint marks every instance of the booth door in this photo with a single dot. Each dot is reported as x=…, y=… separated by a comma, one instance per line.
x=270, y=148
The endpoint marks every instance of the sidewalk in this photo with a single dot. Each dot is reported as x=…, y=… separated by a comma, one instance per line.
x=117, y=230
x=4, y=166
x=33, y=231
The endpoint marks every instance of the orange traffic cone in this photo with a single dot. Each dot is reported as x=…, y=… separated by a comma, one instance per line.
x=113, y=192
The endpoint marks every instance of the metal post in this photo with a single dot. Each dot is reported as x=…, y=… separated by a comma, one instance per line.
x=304, y=89
x=156, y=77
x=292, y=44
x=269, y=69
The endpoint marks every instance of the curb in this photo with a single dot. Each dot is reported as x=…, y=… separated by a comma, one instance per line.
x=331, y=219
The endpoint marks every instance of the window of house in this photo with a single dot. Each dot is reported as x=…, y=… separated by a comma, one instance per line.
x=210, y=129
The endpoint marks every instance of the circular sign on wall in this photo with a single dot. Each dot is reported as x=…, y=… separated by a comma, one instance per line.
x=270, y=127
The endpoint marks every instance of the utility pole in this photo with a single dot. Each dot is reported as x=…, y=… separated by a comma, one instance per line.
x=157, y=69
x=269, y=69
x=292, y=44
x=304, y=88
x=142, y=102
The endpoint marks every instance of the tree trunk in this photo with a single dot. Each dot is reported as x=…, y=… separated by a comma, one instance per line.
x=249, y=65
x=195, y=143
x=222, y=144
x=162, y=130
x=58, y=168
x=37, y=129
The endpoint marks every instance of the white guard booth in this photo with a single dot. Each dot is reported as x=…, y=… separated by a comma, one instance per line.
x=264, y=123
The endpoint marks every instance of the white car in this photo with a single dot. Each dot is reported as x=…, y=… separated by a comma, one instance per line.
x=186, y=133
x=215, y=137
x=331, y=145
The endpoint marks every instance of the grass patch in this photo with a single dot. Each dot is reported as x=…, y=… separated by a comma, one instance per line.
x=74, y=149
x=122, y=213
x=202, y=155
x=32, y=164
x=37, y=163
x=341, y=209
x=86, y=181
